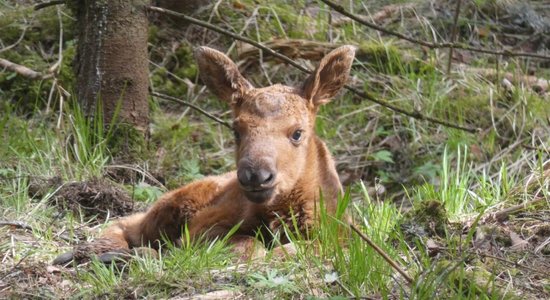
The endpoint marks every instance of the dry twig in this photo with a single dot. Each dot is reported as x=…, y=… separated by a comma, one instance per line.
x=515, y=264
x=200, y=110
x=343, y=11
x=22, y=70
x=17, y=224
x=505, y=213
x=48, y=4
x=383, y=254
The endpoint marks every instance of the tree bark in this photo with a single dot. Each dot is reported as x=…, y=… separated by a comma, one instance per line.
x=112, y=61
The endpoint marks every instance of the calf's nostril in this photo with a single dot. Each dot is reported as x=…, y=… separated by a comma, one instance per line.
x=269, y=179
x=265, y=176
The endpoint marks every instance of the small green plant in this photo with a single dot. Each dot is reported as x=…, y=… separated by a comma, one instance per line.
x=146, y=193
x=104, y=279
x=272, y=280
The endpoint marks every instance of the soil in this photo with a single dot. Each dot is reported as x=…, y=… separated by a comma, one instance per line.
x=96, y=198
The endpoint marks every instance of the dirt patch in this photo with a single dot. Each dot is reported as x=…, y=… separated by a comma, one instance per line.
x=31, y=281
x=516, y=253
x=94, y=198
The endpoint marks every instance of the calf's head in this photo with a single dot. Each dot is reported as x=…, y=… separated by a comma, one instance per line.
x=273, y=126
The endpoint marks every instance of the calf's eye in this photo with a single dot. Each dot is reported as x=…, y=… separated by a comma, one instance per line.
x=297, y=135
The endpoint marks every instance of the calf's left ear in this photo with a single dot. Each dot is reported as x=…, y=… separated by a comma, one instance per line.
x=329, y=77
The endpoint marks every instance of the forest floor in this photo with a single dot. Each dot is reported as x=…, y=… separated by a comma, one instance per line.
x=463, y=211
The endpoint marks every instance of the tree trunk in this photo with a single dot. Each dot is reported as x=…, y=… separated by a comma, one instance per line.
x=112, y=65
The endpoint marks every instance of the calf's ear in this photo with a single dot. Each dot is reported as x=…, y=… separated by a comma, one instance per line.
x=329, y=77
x=220, y=74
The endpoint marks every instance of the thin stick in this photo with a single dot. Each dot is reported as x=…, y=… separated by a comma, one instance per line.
x=18, y=224
x=516, y=264
x=529, y=147
x=202, y=111
x=343, y=11
x=415, y=114
x=137, y=169
x=503, y=214
x=382, y=253
x=48, y=4
x=228, y=33
x=22, y=70
x=453, y=36
x=20, y=37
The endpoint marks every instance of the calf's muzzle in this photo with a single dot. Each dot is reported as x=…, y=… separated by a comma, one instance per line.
x=257, y=180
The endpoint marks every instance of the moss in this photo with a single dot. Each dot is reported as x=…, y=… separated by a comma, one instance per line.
x=180, y=63
x=9, y=19
x=44, y=30
x=386, y=58
x=186, y=66
x=493, y=234
x=154, y=34
x=427, y=218
x=127, y=144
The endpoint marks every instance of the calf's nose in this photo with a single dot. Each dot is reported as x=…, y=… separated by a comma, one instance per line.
x=256, y=178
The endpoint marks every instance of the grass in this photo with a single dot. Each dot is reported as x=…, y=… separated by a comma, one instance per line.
x=422, y=192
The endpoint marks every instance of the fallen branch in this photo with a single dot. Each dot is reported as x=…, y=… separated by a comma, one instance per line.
x=200, y=110
x=22, y=70
x=414, y=114
x=344, y=12
x=383, y=254
x=515, y=264
x=20, y=37
x=48, y=4
x=17, y=224
x=505, y=213
x=291, y=48
x=533, y=148
x=226, y=32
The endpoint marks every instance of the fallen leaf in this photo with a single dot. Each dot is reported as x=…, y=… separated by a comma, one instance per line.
x=331, y=277
x=53, y=269
x=433, y=247
x=518, y=243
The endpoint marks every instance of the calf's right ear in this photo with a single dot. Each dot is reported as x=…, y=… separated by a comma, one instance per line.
x=329, y=77
x=221, y=75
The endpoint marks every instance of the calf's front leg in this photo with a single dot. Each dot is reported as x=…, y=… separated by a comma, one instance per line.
x=163, y=221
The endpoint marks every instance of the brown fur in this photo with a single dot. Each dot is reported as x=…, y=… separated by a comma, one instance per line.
x=265, y=119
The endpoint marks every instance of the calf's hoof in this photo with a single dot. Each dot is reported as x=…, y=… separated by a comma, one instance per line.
x=64, y=258
x=113, y=256
x=124, y=255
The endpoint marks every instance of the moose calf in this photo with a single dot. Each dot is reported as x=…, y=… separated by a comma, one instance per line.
x=282, y=166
